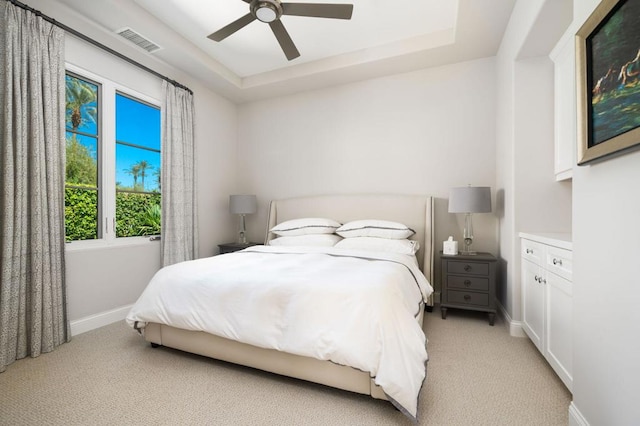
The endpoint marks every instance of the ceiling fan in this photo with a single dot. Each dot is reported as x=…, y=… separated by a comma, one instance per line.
x=270, y=11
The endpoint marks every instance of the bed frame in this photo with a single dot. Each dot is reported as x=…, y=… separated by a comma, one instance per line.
x=412, y=210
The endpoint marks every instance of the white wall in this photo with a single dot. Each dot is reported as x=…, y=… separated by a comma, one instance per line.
x=105, y=279
x=606, y=201
x=529, y=197
x=416, y=133
x=605, y=284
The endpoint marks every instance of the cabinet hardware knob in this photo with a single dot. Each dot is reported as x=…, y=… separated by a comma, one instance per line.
x=467, y=268
x=535, y=278
x=467, y=283
x=557, y=261
x=543, y=281
x=529, y=251
x=467, y=297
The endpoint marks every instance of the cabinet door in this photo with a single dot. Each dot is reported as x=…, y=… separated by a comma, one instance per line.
x=533, y=303
x=565, y=108
x=559, y=337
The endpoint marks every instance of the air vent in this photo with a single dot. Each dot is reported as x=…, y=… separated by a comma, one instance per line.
x=138, y=39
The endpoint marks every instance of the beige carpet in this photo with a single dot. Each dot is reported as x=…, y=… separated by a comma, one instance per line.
x=477, y=375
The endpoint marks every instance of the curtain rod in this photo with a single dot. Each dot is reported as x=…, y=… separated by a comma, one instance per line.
x=97, y=44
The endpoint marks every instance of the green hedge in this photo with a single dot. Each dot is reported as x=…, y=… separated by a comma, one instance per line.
x=136, y=214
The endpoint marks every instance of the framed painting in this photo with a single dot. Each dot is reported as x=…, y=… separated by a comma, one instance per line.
x=608, y=79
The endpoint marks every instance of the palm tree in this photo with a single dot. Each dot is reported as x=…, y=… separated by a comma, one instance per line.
x=80, y=99
x=158, y=174
x=134, y=171
x=143, y=165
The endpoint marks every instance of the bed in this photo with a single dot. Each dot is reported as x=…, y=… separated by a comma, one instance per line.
x=288, y=359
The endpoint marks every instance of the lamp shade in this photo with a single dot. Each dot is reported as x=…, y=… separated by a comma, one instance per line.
x=243, y=204
x=470, y=199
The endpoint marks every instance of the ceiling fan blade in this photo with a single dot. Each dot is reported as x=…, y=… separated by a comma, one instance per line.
x=318, y=10
x=225, y=32
x=289, y=49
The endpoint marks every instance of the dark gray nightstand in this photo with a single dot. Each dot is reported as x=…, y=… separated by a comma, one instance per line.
x=469, y=282
x=231, y=247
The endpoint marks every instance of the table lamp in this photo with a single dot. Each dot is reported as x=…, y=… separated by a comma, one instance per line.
x=469, y=200
x=242, y=205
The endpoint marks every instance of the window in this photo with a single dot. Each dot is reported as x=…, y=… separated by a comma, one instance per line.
x=112, y=187
x=137, y=167
x=82, y=192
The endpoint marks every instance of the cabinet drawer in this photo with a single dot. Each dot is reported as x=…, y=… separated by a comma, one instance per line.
x=467, y=268
x=468, y=298
x=532, y=251
x=560, y=262
x=468, y=283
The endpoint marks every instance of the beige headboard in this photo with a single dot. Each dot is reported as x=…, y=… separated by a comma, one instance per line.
x=415, y=211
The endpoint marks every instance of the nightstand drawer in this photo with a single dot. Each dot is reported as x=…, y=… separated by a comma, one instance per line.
x=468, y=283
x=233, y=247
x=468, y=298
x=468, y=268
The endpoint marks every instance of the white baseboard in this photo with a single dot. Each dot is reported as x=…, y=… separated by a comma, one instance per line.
x=575, y=416
x=92, y=322
x=515, y=327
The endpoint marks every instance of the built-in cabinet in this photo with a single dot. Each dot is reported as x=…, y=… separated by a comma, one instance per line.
x=565, y=105
x=547, y=303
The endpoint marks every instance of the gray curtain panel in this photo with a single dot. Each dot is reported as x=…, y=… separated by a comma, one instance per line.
x=179, y=208
x=33, y=317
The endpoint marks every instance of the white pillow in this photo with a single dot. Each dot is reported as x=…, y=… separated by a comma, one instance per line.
x=375, y=228
x=313, y=240
x=306, y=226
x=380, y=244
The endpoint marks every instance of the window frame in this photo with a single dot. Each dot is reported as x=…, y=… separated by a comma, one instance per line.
x=107, y=160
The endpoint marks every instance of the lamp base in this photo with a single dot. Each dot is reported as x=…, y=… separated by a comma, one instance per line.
x=468, y=253
x=242, y=237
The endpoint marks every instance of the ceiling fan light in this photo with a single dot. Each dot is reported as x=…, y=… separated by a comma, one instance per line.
x=266, y=13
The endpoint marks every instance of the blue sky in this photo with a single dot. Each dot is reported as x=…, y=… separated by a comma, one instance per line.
x=137, y=123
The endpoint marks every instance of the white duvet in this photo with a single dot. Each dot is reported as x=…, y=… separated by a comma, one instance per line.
x=354, y=308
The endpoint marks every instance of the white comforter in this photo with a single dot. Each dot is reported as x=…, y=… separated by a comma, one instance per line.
x=354, y=308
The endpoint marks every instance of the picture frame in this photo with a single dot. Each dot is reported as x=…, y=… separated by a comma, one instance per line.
x=608, y=81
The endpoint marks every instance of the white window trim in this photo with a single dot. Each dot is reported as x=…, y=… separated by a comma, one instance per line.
x=107, y=119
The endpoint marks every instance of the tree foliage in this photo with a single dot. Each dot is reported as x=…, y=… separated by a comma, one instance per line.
x=137, y=214
x=80, y=214
x=81, y=166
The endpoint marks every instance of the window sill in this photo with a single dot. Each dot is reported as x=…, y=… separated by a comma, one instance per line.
x=104, y=244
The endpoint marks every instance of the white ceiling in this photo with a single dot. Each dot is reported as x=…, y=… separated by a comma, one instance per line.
x=383, y=37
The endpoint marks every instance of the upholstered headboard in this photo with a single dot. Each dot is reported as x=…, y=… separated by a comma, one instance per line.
x=415, y=211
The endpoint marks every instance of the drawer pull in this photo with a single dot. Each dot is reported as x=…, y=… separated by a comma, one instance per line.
x=467, y=297
x=467, y=268
x=557, y=261
x=529, y=251
x=540, y=279
x=467, y=283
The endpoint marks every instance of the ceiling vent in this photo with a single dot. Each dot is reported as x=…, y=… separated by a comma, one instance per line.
x=138, y=39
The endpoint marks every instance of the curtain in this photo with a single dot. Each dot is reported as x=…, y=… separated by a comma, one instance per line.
x=178, y=177
x=33, y=318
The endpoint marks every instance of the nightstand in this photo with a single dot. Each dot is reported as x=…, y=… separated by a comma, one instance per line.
x=469, y=282
x=231, y=247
